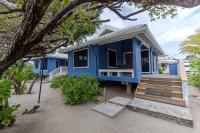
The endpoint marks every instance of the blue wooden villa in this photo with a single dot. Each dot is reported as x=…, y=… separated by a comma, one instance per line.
x=119, y=55
x=51, y=63
x=129, y=56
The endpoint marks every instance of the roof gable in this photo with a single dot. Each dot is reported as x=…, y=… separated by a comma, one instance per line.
x=106, y=30
x=141, y=32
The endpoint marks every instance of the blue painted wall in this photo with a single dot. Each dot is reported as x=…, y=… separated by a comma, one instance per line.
x=98, y=59
x=92, y=63
x=120, y=47
x=137, y=59
x=37, y=70
x=51, y=65
x=173, y=69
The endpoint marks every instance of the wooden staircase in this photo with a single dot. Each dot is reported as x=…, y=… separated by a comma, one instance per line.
x=161, y=89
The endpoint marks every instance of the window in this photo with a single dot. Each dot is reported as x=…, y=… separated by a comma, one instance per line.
x=112, y=58
x=145, y=61
x=66, y=63
x=57, y=64
x=61, y=62
x=81, y=58
x=45, y=64
x=36, y=64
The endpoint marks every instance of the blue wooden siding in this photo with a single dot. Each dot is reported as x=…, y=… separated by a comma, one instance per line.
x=92, y=63
x=98, y=59
x=120, y=47
x=51, y=65
x=173, y=69
x=137, y=59
x=36, y=70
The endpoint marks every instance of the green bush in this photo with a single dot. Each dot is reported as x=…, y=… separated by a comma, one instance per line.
x=78, y=89
x=161, y=71
x=6, y=115
x=194, y=77
x=6, y=112
x=58, y=81
x=19, y=74
x=5, y=90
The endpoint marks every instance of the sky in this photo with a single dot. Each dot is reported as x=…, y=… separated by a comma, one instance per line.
x=169, y=32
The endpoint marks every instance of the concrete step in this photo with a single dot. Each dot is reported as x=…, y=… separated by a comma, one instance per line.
x=169, y=100
x=161, y=92
x=163, y=87
x=109, y=109
x=122, y=101
x=177, y=114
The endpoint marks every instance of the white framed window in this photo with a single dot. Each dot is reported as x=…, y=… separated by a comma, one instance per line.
x=81, y=58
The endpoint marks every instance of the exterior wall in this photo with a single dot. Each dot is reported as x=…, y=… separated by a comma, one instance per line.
x=130, y=45
x=37, y=70
x=92, y=63
x=173, y=69
x=98, y=59
x=51, y=65
x=137, y=59
x=120, y=47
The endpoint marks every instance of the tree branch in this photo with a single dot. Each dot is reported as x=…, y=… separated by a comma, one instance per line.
x=9, y=9
x=120, y=15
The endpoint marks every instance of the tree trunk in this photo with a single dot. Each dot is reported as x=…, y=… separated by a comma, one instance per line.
x=31, y=86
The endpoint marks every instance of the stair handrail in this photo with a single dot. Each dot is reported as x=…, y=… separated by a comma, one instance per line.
x=182, y=71
x=54, y=71
x=183, y=76
x=59, y=70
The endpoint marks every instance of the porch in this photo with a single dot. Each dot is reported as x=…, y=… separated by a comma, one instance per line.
x=126, y=61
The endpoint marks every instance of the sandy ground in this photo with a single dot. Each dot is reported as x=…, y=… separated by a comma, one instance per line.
x=56, y=117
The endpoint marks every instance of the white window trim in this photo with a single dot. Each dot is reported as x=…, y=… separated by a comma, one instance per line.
x=87, y=58
x=154, y=63
x=124, y=56
x=149, y=60
x=108, y=57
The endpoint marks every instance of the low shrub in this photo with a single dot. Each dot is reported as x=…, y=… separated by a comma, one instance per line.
x=161, y=71
x=58, y=81
x=194, y=77
x=6, y=113
x=7, y=118
x=78, y=89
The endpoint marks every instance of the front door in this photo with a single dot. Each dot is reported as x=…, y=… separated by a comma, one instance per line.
x=128, y=60
x=145, y=61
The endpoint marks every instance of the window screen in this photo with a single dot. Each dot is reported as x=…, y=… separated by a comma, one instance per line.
x=81, y=58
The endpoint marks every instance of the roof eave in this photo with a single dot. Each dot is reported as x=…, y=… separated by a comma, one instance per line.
x=117, y=36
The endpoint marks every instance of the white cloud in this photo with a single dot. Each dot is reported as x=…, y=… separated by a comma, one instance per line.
x=169, y=32
x=178, y=34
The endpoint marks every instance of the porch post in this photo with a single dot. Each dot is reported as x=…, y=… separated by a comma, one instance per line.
x=137, y=67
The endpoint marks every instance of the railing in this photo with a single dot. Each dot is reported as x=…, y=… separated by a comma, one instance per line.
x=182, y=72
x=183, y=76
x=58, y=71
x=116, y=72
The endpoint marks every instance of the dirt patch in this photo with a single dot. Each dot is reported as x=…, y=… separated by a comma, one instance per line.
x=56, y=117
